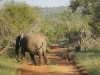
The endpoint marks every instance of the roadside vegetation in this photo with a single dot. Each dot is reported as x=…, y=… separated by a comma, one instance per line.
x=8, y=65
x=90, y=60
x=79, y=21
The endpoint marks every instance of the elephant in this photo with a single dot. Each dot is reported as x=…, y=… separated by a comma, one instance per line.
x=69, y=57
x=78, y=48
x=32, y=43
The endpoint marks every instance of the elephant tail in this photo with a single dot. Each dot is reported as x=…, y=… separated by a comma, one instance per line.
x=37, y=49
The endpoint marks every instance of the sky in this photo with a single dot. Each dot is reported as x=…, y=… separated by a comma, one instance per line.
x=46, y=3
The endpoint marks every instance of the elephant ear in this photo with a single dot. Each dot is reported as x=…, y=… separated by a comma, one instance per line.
x=18, y=41
x=21, y=37
x=64, y=56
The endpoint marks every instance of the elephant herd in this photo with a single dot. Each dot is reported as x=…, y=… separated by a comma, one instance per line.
x=35, y=44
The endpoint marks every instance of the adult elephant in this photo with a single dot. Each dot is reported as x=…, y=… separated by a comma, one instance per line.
x=32, y=43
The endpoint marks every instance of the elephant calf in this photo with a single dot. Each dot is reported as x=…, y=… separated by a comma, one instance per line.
x=69, y=57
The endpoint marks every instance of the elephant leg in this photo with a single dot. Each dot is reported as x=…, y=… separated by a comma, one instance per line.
x=46, y=59
x=74, y=62
x=40, y=58
x=17, y=54
x=17, y=58
x=67, y=61
x=33, y=59
x=22, y=56
x=71, y=62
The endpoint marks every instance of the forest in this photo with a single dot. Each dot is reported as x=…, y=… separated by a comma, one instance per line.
x=60, y=25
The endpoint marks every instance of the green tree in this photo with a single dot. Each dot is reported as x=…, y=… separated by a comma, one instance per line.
x=85, y=5
x=15, y=19
x=89, y=7
x=95, y=23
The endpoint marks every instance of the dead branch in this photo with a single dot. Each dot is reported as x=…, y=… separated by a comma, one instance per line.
x=4, y=50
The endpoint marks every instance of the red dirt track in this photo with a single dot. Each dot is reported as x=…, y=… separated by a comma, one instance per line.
x=57, y=66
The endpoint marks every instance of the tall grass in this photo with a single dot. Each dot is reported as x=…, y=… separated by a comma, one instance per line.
x=8, y=65
x=90, y=60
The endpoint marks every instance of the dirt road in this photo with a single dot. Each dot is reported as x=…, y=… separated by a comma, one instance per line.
x=57, y=66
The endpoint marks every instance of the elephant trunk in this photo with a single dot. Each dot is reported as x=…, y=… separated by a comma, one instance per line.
x=17, y=47
x=64, y=56
x=16, y=52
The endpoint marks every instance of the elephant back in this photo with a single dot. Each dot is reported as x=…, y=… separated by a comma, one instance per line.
x=36, y=39
x=71, y=55
x=34, y=42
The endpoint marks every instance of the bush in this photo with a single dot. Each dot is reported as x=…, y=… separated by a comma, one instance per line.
x=8, y=65
x=90, y=60
x=15, y=19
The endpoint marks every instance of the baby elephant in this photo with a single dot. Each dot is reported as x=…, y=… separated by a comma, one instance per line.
x=69, y=57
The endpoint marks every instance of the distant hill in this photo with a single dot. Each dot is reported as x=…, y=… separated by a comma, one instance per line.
x=51, y=11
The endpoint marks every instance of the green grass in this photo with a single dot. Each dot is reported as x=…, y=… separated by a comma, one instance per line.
x=90, y=60
x=8, y=65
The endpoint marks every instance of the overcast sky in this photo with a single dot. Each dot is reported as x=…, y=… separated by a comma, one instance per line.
x=46, y=3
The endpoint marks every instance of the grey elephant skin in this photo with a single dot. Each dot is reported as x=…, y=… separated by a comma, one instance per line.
x=34, y=44
x=69, y=57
